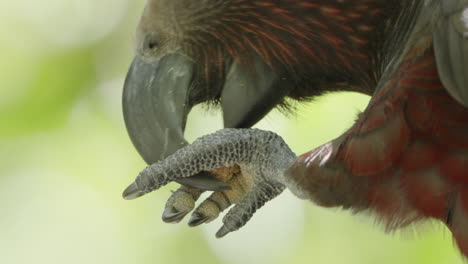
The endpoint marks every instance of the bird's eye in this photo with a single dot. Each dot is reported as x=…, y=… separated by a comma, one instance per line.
x=151, y=42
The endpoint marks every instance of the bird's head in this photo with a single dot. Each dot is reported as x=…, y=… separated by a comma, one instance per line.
x=244, y=55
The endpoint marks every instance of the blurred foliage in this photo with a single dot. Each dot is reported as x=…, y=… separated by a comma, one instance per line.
x=58, y=82
x=65, y=158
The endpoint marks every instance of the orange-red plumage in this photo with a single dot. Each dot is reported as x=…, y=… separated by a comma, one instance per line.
x=409, y=147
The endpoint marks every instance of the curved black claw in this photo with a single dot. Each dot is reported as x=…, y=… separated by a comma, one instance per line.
x=222, y=232
x=132, y=192
x=171, y=215
x=197, y=219
x=205, y=182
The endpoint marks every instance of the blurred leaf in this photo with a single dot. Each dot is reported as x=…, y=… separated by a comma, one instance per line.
x=51, y=93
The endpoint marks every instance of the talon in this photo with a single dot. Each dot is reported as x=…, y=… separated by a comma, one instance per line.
x=204, y=181
x=132, y=192
x=197, y=219
x=222, y=232
x=172, y=215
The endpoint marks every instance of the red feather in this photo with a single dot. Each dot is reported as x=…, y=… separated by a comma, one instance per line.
x=406, y=156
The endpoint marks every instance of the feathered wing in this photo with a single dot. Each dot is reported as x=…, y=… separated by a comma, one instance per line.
x=451, y=52
x=451, y=48
x=406, y=157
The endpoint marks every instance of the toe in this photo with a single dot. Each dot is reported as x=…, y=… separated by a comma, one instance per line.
x=180, y=203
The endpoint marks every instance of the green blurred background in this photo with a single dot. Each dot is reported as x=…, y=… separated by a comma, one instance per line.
x=65, y=158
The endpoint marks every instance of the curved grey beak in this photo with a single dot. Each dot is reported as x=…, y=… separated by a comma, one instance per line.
x=156, y=105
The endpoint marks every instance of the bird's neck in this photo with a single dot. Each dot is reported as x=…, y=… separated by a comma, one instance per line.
x=354, y=43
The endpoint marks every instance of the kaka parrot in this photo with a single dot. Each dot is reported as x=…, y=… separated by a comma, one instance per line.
x=406, y=156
